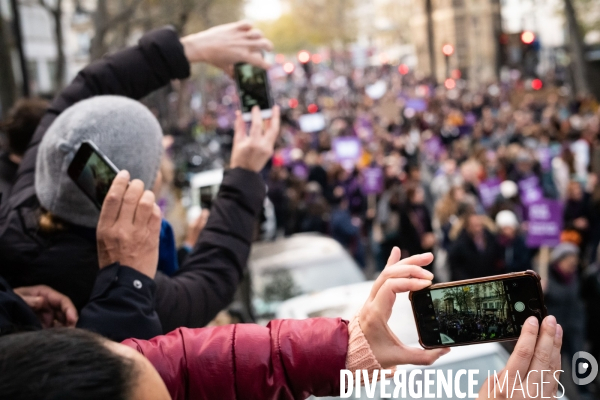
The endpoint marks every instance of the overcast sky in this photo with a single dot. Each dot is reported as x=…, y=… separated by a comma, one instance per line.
x=258, y=10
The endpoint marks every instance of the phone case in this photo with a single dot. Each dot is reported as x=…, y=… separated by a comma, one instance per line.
x=72, y=171
x=511, y=275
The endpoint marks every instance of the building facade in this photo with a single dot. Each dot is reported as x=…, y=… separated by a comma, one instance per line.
x=471, y=27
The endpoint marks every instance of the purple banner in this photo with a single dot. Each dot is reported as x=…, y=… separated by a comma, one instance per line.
x=530, y=190
x=545, y=223
x=347, y=148
x=372, y=182
x=488, y=191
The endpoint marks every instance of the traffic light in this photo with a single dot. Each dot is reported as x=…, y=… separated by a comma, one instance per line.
x=530, y=46
x=304, y=58
x=403, y=69
x=448, y=50
x=527, y=37
x=288, y=68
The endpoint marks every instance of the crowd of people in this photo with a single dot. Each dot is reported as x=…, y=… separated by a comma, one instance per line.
x=78, y=280
x=462, y=326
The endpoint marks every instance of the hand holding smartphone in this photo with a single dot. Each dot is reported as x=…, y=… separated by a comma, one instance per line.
x=481, y=310
x=253, y=89
x=92, y=172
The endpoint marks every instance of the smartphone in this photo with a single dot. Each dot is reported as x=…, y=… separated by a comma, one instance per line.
x=92, y=172
x=254, y=90
x=490, y=309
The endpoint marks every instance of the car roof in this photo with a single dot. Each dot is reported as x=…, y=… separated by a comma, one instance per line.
x=346, y=301
x=303, y=249
x=207, y=178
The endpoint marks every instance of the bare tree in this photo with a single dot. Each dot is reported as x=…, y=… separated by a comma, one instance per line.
x=8, y=89
x=430, y=38
x=104, y=22
x=578, y=65
x=56, y=14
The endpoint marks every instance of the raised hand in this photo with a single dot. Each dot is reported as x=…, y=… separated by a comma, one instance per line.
x=225, y=45
x=252, y=150
x=397, y=277
x=129, y=226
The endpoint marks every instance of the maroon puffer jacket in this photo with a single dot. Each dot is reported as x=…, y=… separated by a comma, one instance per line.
x=288, y=359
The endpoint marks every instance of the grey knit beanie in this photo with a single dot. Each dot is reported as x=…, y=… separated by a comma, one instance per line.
x=122, y=128
x=563, y=250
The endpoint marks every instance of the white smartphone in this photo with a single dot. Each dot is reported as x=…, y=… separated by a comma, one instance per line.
x=254, y=90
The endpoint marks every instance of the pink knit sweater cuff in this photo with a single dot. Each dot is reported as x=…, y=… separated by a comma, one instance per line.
x=360, y=355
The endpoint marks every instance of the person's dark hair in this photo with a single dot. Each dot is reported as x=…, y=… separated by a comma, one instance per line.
x=21, y=122
x=62, y=364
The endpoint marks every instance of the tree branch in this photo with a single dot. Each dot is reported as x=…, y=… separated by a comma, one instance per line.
x=120, y=17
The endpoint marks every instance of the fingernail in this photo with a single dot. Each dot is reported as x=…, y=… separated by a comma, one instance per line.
x=550, y=320
x=559, y=331
x=123, y=173
x=532, y=321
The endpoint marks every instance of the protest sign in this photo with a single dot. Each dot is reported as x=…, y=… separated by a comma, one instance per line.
x=530, y=190
x=347, y=148
x=488, y=191
x=545, y=223
x=372, y=180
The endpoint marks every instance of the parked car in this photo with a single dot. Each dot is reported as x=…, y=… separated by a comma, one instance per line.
x=301, y=264
x=204, y=187
x=345, y=302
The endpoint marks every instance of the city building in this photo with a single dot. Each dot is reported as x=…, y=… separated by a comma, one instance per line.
x=39, y=45
x=471, y=27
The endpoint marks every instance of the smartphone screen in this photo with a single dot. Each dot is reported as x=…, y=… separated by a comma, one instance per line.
x=92, y=172
x=253, y=87
x=206, y=197
x=484, y=311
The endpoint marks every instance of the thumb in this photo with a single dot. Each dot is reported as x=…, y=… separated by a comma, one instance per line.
x=416, y=356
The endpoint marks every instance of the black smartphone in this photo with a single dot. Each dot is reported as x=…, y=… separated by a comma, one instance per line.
x=254, y=90
x=92, y=172
x=481, y=310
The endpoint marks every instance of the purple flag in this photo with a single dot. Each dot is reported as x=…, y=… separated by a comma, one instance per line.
x=372, y=180
x=545, y=223
x=488, y=191
x=545, y=158
x=530, y=190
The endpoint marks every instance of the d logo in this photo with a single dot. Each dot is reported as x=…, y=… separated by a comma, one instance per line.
x=581, y=368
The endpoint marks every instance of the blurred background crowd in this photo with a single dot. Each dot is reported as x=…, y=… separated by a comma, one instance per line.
x=469, y=132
